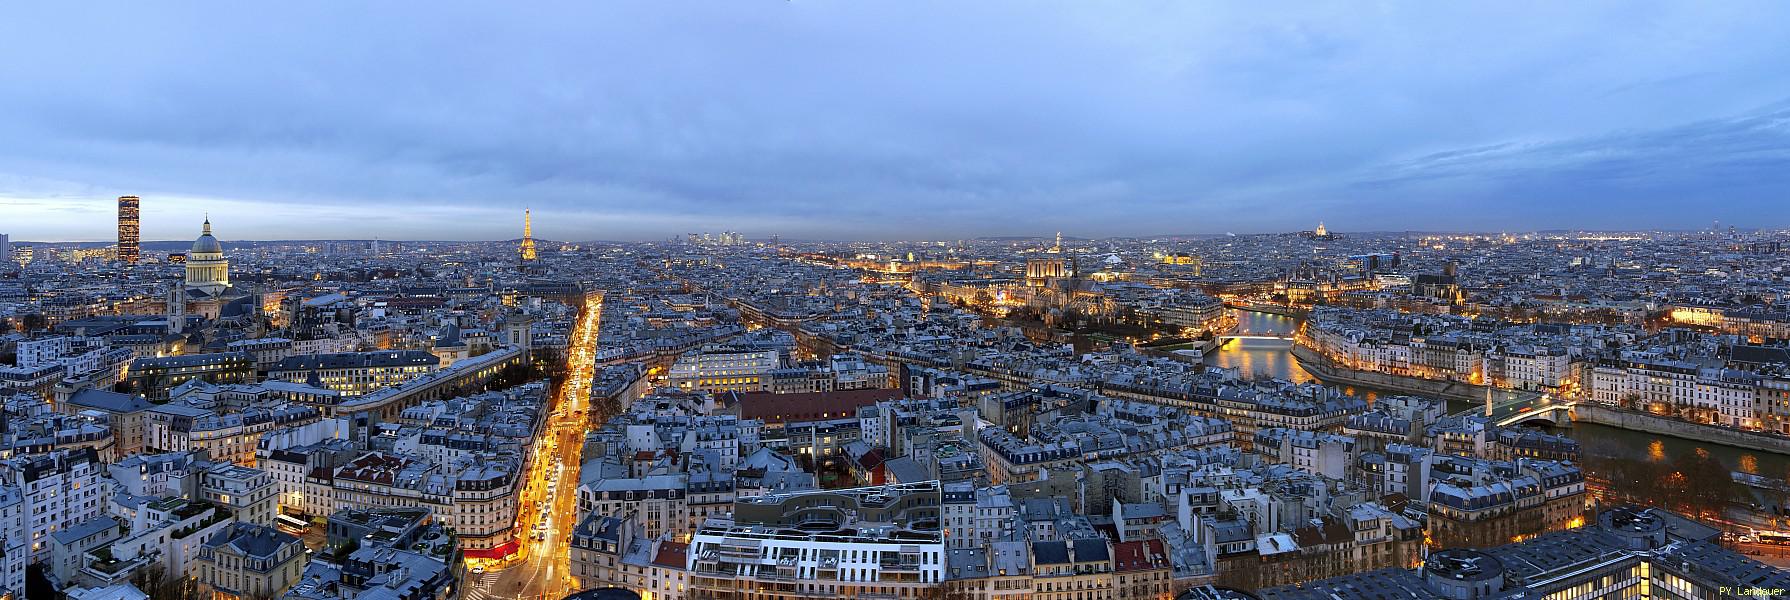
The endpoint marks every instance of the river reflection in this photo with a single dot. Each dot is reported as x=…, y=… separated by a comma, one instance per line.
x=1270, y=357
x=1261, y=357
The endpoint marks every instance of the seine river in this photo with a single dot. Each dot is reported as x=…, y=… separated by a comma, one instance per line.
x=1271, y=357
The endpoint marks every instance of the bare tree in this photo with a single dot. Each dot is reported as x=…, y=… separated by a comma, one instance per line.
x=944, y=592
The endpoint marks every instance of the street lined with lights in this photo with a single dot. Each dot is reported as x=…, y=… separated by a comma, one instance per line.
x=547, y=513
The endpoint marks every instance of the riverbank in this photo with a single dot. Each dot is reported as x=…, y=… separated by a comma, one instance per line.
x=1632, y=420
x=1589, y=412
x=1171, y=352
x=1267, y=308
x=1331, y=373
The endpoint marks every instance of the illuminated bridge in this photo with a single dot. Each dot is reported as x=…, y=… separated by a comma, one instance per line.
x=1510, y=407
x=1225, y=339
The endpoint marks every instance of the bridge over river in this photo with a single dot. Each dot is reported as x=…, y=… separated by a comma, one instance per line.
x=1512, y=407
x=1598, y=441
x=1228, y=338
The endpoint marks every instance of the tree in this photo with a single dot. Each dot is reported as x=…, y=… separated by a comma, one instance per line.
x=943, y=592
x=1702, y=482
x=155, y=581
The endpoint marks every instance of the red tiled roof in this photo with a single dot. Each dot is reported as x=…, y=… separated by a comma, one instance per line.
x=871, y=459
x=671, y=554
x=809, y=406
x=372, y=467
x=1139, y=555
x=1331, y=532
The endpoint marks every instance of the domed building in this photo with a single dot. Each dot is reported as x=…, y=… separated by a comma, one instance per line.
x=207, y=271
x=206, y=291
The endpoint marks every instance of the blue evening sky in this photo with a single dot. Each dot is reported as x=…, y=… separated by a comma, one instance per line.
x=886, y=120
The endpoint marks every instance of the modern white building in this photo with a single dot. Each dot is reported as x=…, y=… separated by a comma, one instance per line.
x=13, y=539
x=58, y=490
x=883, y=541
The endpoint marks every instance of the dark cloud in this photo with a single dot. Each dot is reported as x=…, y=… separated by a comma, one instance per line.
x=1734, y=169
x=885, y=119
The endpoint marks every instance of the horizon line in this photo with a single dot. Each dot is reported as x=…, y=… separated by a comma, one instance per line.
x=945, y=239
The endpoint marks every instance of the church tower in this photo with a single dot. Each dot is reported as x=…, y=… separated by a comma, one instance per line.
x=177, y=306
x=528, y=238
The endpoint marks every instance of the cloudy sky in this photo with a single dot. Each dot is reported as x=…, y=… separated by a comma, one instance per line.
x=889, y=120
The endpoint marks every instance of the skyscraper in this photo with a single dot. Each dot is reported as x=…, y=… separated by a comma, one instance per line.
x=528, y=238
x=5, y=252
x=127, y=229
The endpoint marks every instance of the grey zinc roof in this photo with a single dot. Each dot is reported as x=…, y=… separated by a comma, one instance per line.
x=1050, y=553
x=109, y=401
x=84, y=529
x=1091, y=550
x=251, y=539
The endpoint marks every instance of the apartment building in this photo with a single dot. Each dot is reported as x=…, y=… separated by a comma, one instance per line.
x=718, y=369
x=355, y=373
x=882, y=541
x=247, y=561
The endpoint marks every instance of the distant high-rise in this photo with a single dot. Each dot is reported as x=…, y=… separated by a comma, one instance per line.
x=128, y=229
x=5, y=252
x=528, y=237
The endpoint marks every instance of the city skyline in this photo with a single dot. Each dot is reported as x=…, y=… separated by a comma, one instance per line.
x=895, y=301
x=880, y=122
x=1043, y=236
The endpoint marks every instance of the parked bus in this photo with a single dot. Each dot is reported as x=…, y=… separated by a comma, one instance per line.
x=291, y=524
x=1776, y=538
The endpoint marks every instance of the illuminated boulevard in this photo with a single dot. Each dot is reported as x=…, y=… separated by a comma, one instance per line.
x=541, y=568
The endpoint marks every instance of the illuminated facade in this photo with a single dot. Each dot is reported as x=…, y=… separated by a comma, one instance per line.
x=248, y=561
x=1480, y=504
x=355, y=373
x=128, y=248
x=722, y=369
x=206, y=268
x=1042, y=270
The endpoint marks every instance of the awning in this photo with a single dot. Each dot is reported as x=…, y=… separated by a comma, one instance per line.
x=501, y=551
